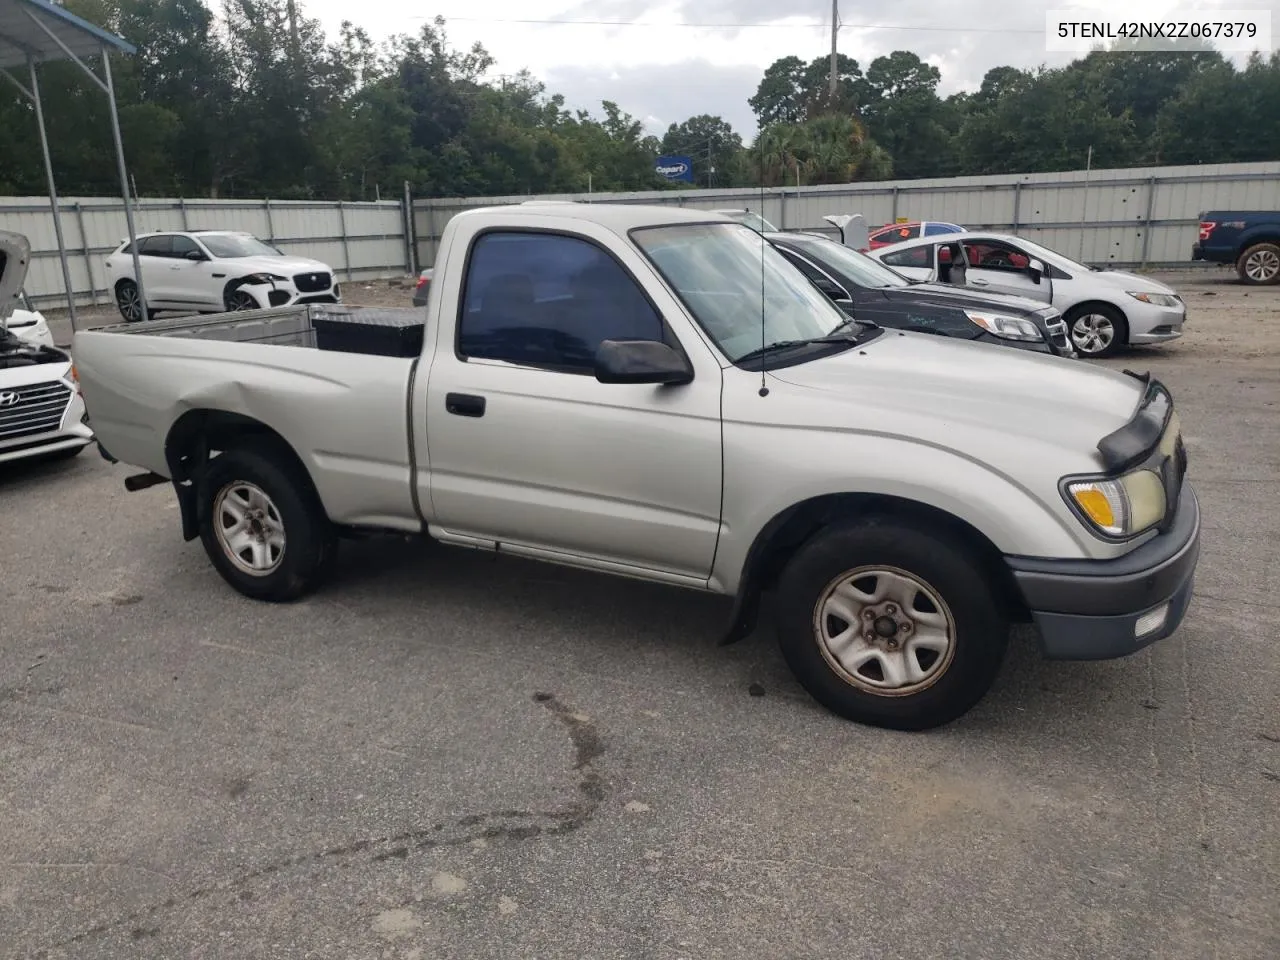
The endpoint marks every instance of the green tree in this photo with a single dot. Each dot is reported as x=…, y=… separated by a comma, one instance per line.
x=709, y=141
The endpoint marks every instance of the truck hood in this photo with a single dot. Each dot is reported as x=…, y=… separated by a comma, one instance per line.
x=927, y=387
x=945, y=295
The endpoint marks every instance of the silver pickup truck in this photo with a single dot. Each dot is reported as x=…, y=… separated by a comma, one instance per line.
x=657, y=393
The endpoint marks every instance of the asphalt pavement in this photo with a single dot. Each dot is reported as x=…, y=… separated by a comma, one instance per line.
x=445, y=754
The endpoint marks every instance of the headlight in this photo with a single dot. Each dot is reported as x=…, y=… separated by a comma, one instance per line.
x=1155, y=299
x=1123, y=507
x=1009, y=328
x=263, y=278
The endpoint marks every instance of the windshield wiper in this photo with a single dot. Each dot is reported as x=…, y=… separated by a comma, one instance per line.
x=834, y=336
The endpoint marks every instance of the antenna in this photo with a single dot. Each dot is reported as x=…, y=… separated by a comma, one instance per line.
x=764, y=357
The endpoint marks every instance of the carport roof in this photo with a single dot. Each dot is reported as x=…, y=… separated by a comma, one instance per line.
x=28, y=29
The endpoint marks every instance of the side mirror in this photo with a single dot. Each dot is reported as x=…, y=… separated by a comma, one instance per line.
x=1035, y=270
x=195, y=255
x=640, y=361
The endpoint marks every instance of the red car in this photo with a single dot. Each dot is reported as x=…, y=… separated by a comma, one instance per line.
x=892, y=233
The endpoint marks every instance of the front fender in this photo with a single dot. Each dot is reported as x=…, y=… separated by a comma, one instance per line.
x=762, y=482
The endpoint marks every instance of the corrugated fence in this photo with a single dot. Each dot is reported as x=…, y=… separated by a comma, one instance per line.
x=358, y=240
x=1133, y=217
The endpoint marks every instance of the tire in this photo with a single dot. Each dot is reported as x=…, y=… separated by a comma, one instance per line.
x=1097, y=330
x=128, y=303
x=1259, y=265
x=240, y=300
x=288, y=550
x=871, y=558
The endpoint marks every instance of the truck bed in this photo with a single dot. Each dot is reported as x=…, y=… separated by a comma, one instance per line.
x=286, y=326
x=342, y=412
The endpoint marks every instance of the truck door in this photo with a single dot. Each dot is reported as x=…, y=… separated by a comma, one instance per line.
x=527, y=449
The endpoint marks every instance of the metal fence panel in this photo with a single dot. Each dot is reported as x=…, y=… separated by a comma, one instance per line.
x=358, y=240
x=1126, y=217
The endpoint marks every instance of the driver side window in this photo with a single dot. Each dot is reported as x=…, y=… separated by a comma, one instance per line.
x=548, y=300
x=994, y=255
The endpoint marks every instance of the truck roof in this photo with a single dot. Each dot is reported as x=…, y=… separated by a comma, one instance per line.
x=619, y=217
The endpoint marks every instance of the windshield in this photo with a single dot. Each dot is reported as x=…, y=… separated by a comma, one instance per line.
x=715, y=269
x=229, y=246
x=861, y=269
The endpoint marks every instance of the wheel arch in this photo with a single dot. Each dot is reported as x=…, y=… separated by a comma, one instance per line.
x=199, y=434
x=1268, y=234
x=787, y=531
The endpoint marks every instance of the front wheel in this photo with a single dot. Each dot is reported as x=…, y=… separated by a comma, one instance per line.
x=1260, y=264
x=241, y=300
x=1097, y=330
x=262, y=525
x=888, y=625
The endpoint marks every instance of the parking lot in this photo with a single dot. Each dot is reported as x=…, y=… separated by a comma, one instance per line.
x=444, y=754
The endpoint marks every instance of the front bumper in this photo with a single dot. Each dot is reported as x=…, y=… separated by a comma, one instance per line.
x=1101, y=609
x=285, y=294
x=1151, y=324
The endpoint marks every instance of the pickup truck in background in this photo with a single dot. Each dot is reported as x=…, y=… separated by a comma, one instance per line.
x=1248, y=239
x=657, y=393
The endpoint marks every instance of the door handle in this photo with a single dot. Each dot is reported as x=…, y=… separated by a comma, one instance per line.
x=464, y=404
x=979, y=282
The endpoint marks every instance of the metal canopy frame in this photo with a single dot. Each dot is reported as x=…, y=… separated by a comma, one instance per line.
x=38, y=31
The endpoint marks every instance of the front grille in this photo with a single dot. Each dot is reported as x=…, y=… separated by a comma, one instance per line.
x=318, y=298
x=38, y=409
x=312, y=282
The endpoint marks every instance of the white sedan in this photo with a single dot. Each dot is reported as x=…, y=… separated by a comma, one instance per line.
x=1104, y=309
x=210, y=271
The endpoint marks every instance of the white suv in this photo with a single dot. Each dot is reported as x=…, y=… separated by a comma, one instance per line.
x=209, y=271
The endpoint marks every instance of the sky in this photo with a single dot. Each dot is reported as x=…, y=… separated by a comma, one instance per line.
x=679, y=58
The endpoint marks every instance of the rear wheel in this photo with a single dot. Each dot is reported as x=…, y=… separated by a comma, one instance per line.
x=262, y=525
x=889, y=625
x=1260, y=264
x=1097, y=330
x=129, y=301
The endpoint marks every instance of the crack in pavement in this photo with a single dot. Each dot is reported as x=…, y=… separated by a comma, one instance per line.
x=496, y=825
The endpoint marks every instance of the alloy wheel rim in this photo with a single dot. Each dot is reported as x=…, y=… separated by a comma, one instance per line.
x=1092, y=333
x=1262, y=265
x=129, y=303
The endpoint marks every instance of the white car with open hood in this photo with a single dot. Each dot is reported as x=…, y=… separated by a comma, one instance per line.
x=211, y=271
x=41, y=410
x=29, y=324
x=658, y=393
